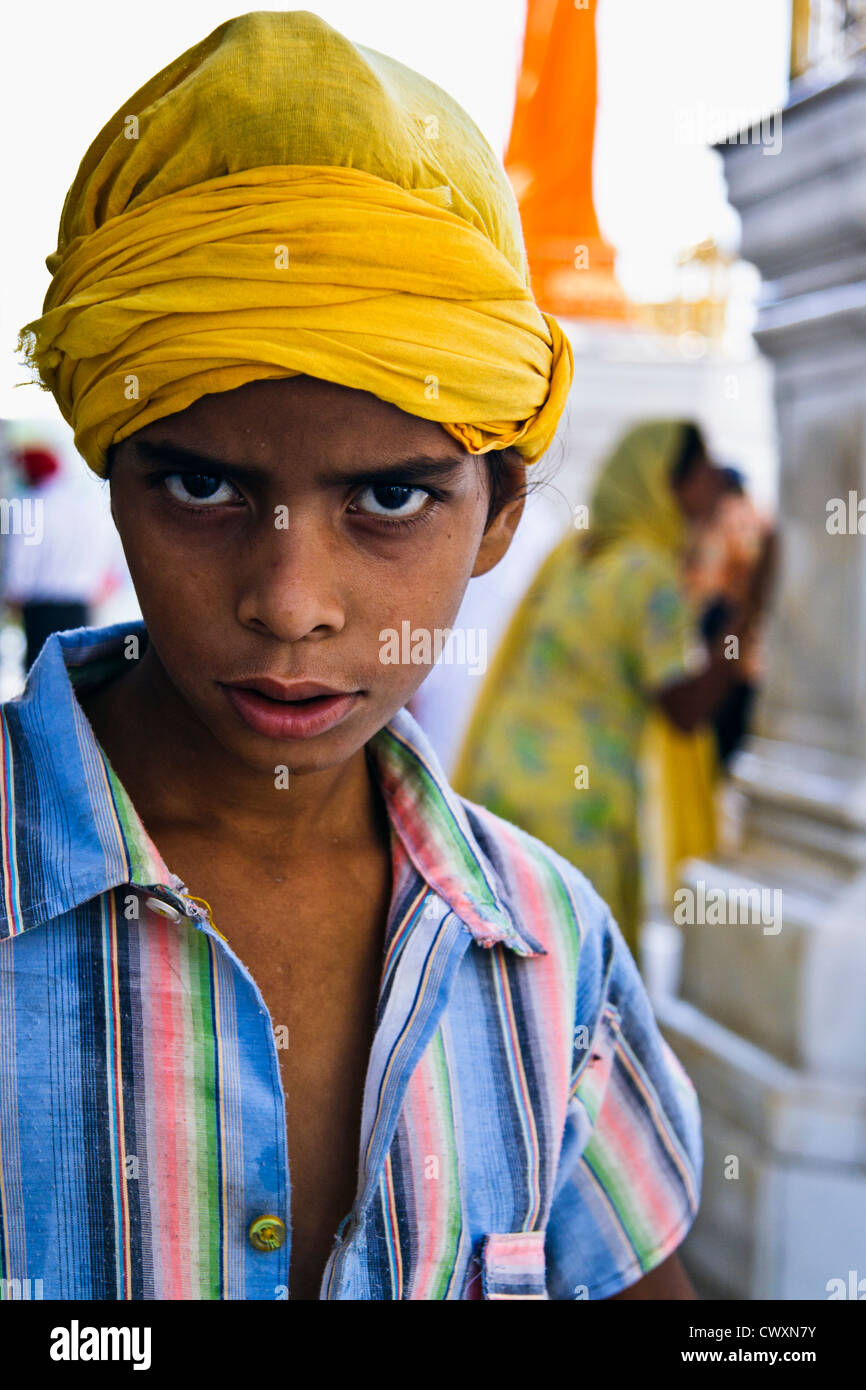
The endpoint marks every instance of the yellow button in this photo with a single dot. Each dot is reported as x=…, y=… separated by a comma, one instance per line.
x=267, y=1233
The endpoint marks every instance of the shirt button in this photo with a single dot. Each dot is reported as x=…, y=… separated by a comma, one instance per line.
x=267, y=1233
x=164, y=909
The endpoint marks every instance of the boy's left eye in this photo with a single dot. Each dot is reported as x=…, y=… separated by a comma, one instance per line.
x=392, y=500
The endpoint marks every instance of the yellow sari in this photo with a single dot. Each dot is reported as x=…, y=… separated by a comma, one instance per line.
x=682, y=774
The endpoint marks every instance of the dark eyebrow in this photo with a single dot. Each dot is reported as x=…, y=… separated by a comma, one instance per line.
x=192, y=460
x=403, y=471
x=408, y=470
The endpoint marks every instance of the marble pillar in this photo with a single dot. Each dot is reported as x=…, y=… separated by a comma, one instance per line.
x=771, y=1022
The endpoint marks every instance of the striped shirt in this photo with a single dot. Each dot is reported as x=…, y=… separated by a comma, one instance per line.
x=526, y=1131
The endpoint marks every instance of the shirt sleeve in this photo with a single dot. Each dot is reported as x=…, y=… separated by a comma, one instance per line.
x=628, y=1182
x=668, y=645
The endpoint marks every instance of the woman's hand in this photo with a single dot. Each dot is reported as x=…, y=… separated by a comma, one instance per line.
x=764, y=573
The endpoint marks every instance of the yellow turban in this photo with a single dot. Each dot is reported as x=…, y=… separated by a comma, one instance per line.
x=279, y=200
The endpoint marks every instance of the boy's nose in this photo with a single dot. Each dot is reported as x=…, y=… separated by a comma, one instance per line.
x=290, y=584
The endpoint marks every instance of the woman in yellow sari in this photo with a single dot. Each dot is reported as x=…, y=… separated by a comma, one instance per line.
x=605, y=637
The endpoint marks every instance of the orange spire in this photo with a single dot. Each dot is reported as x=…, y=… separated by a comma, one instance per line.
x=549, y=162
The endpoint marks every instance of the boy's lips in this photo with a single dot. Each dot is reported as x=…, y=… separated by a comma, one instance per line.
x=289, y=709
x=287, y=690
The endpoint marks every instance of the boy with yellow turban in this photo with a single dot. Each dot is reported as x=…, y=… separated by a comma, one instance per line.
x=362, y=1039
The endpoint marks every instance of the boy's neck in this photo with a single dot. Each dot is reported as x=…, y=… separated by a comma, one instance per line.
x=177, y=775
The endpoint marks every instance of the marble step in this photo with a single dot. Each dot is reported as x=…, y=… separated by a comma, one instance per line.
x=778, y=962
x=783, y=1199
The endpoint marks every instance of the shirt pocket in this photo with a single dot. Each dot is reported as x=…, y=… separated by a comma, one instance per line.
x=513, y=1265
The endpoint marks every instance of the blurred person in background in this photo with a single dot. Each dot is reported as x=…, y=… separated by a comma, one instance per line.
x=718, y=576
x=683, y=769
x=607, y=634
x=64, y=557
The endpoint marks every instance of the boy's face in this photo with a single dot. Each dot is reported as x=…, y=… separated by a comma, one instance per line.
x=280, y=529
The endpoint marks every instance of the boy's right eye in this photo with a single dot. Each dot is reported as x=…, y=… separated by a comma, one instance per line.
x=199, y=491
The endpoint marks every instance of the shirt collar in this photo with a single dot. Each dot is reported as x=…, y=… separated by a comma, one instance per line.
x=70, y=832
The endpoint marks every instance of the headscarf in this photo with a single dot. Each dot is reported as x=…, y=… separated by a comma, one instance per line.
x=280, y=200
x=633, y=496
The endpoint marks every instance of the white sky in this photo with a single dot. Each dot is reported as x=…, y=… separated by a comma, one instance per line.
x=670, y=70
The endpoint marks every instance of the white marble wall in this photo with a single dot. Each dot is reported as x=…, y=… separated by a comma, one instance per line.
x=772, y=1025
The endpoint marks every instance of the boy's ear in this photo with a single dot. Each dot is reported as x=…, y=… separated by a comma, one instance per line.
x=497, y=538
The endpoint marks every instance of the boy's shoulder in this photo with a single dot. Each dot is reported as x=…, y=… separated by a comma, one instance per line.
x=545, y=893
x=512, y=848
x=482, y=862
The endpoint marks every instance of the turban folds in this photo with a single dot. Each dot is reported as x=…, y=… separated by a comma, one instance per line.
x=278, y=201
